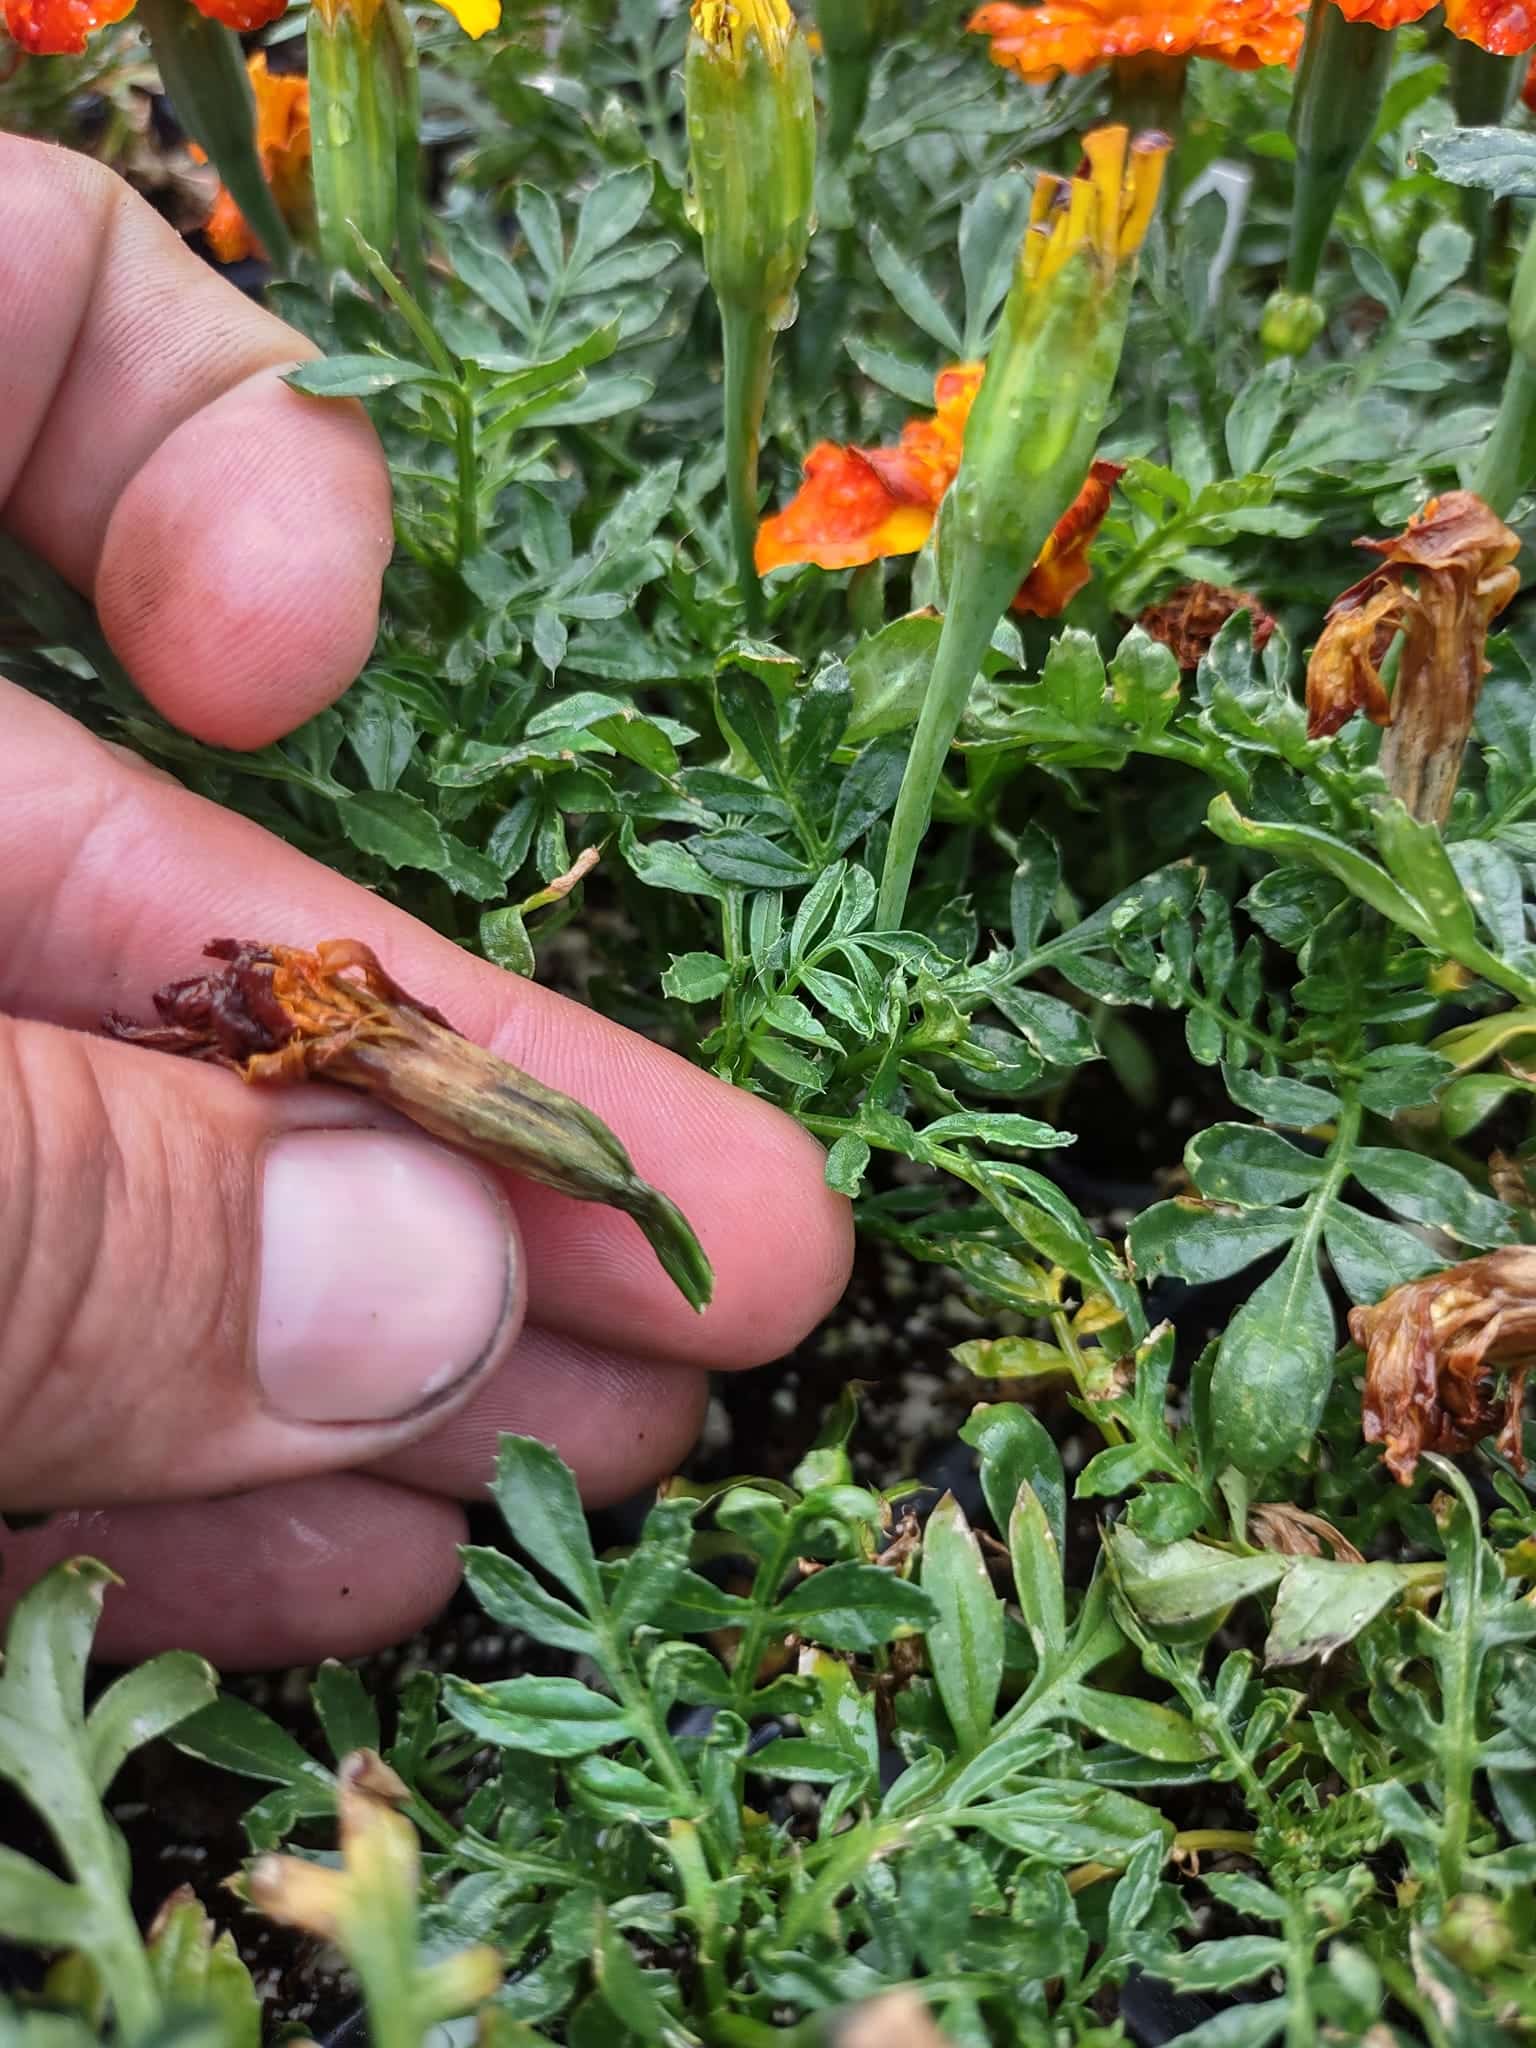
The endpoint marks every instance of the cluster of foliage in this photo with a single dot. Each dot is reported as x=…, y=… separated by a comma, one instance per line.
x=1257, y=1721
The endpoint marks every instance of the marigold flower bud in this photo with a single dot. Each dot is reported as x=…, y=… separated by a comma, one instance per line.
x=1051, y=368
x=752, y=150
x=1292, y=322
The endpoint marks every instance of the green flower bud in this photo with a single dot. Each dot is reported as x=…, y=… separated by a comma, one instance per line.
x=1292, y=322
x=1051, y=367
x=752, y=151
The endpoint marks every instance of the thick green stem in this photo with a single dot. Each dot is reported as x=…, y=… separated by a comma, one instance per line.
x=1340, y=81
x=1508, y=460
x=848, y=74
x=1483, y=90
x=1147, y=92
x=748, y=362
x=203, y=69
x=984, y=580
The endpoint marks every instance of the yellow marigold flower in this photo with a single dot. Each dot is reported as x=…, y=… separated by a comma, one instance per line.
x=283, y=145
x=1075, y=35
x=475, y=17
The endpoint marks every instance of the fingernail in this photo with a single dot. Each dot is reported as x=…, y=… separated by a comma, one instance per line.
x=388, y=1274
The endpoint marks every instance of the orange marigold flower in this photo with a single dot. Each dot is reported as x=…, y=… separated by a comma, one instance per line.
x=858, y=505
x=58, y=28
x=1385, y=13
x=282, y=144
x=1075, y=35
x=1504, y=28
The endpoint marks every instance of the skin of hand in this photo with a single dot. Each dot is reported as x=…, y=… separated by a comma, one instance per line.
x=257, y=1345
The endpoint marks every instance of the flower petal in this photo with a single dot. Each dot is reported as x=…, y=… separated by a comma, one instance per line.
x=1075, y=35
x=1061, y=568
x=58, y=28
x=475, y=17
x=859, y=504
x=241, y=15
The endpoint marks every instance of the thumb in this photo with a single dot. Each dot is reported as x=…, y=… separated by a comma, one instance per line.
x=203, y=1288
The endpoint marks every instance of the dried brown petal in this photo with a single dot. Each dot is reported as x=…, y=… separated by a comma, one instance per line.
x=1189, y=620
x=276, y=1014
x=1344, y=674
x=1433, y=1349
x=1458, y=555
x=1278, y=1525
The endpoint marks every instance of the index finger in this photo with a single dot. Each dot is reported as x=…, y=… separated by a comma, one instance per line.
x=232, y=532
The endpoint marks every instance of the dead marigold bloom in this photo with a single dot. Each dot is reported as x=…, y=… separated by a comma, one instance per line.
x=1188, y=621
x=1433, y=1350
x=276, y=1014
x=858, y=505
x=283, y=146
x=1458, y=554
x=1075, y=35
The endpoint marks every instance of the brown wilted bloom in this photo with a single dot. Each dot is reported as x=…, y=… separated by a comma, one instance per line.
x=276, y=1014
x=1432, y=1352
x=1188, y=620
x=1294, y=1532
x=1459, y=555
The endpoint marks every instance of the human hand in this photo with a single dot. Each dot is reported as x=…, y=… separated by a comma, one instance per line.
x=269, y=1339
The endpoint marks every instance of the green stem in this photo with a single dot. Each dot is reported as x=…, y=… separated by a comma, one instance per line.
x=1300, y=2021
x=1458, y=1721
x=1340, y=80
x=748, y=361
x=1483, y=90
x=983, y=582
x=1147, y=92
x=848, y=74
x=1508, y=460
x=202, y=67
x=466, y=459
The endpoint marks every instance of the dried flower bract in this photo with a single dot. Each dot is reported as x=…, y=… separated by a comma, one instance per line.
x=1434, y=1348
x=275, y=1013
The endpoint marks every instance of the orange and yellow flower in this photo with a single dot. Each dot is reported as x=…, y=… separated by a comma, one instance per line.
x=858, y=505
x=1075, y=35
x=1504, y=28
x=283, y=145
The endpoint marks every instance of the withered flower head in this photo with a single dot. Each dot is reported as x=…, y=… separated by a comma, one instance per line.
x=1458, y=554
x=1188, y=620
x=276, y=1014
x=1432, y=1352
